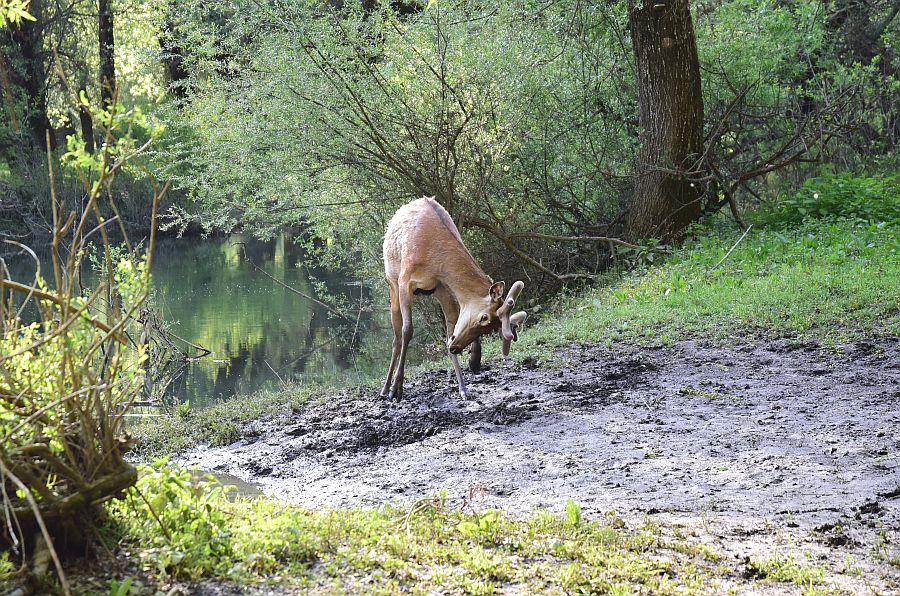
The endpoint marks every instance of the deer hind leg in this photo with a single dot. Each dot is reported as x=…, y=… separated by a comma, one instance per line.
x=406, y=333
x=451, y=315
x=397, y=325
x=475, y=356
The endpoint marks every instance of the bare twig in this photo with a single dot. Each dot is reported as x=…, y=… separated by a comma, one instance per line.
x=731, y=250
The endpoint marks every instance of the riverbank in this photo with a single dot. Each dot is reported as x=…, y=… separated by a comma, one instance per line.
x=693, y=425
x=828, y=283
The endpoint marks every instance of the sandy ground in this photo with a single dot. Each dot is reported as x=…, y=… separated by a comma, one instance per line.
x=760, y=448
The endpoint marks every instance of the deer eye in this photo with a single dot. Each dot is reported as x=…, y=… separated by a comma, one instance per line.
x=484, y=318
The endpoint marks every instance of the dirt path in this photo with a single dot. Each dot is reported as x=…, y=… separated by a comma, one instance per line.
x=761, y=446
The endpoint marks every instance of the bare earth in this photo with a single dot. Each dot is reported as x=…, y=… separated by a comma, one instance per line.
x=758, y=448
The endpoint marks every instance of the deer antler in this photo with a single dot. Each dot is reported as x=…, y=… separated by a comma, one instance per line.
x=510, y=323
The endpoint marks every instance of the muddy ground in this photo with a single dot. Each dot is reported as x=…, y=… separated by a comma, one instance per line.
x=758, y=448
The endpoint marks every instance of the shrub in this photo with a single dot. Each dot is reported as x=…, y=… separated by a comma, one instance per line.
x=68, y=376
x=844, y=195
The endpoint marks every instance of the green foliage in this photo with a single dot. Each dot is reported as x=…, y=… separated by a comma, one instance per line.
x=830, y=280
x=125, y=130
x=6, y=566
x=177, y=516
x=573, y=513
x=120, y=588
x=494, y=110
x=14, y=12
x=68, y=376
x=191, y=527
x=219, y=424
x=840, y=196
x=785, y=569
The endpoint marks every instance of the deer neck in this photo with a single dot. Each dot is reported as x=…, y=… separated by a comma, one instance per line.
x=467, y=282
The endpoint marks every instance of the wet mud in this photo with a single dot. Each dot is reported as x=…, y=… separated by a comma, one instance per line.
x=761, y=447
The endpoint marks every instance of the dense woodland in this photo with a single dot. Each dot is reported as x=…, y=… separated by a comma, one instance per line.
x=543, y=127
x=570, y=141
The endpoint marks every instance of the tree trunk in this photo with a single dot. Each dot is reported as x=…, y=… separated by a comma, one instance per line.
x=29, y=73
x=107, y=53
x=87, y=125
x=172, y=54
x=670, y=115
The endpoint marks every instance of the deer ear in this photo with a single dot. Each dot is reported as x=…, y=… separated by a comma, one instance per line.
x=497, y=291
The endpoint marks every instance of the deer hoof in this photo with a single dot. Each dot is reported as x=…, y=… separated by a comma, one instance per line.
x=395, y=395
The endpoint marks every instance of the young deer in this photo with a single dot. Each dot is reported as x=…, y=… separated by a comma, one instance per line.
x=424, y=254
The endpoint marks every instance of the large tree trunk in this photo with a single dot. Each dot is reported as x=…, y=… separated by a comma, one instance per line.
x=670, y=114
x=107, y=52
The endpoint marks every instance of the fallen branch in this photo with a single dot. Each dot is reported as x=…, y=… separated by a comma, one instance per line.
x=731, y=250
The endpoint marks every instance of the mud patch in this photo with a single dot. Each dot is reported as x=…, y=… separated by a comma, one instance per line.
x=761, y=444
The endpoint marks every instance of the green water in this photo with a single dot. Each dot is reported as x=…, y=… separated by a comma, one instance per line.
x=260, y=334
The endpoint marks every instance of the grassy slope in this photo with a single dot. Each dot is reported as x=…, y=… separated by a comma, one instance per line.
x=826, y=281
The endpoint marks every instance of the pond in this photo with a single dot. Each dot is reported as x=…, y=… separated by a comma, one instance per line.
x=260, y=334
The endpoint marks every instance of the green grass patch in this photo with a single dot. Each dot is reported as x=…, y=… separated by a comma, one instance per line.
x=177, y=525
x=832, y=281
x=810, y=578
x=220, y=424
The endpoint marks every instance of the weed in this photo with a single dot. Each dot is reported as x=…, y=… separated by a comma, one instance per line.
x=707, y=394
x=177, y=524
x=785, y=569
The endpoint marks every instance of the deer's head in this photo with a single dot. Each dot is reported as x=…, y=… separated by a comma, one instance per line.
x=490, y=313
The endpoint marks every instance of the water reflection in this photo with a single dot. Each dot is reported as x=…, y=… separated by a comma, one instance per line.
x=260, y=333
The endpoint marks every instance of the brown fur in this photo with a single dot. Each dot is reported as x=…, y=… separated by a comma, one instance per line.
x=424, y=253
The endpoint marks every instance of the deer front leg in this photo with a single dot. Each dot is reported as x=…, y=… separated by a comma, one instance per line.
x=451, y=314
x=397, y=325
x=406, y=333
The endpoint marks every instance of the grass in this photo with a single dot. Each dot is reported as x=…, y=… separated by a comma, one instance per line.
x=175, y=526
x=188, y=528
x=784, y=569
x=220, y=424
x=831, y=281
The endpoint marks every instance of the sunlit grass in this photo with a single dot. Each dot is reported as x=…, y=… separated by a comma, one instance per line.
x=830, y=281
x=191, y=529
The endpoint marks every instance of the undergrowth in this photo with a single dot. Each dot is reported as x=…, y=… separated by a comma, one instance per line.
x=176, y=525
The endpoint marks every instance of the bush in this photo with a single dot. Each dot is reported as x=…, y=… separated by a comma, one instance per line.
x=840, y=196
x=69, y=371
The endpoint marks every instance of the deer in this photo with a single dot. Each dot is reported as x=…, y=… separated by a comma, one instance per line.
x=424, y=254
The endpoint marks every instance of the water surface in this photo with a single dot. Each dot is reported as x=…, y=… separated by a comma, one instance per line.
x=260, y=334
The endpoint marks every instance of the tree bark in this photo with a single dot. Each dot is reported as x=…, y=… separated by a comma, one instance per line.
x=87, y=126
x=107, y=53
x=670, y=115
x=29, y=73
x=172, y=55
